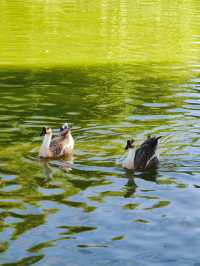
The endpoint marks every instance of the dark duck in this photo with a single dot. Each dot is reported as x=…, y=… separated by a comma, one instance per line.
x=144, y=157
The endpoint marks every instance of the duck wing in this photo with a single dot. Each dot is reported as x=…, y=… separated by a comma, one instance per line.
x=145, y=153
x=56, y=146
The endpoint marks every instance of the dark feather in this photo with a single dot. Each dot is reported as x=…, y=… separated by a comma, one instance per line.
x=145, y=152
x=56, y=146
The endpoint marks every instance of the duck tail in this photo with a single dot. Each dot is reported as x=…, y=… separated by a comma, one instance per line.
x=158, y=137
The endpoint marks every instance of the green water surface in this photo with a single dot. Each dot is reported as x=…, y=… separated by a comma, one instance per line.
x=113, y=70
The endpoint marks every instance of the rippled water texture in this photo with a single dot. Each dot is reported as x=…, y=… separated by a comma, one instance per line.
x=114, y=70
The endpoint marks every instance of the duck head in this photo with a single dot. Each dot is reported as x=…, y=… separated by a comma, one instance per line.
x=64, y=129
x=46, y=131
x=129, y=144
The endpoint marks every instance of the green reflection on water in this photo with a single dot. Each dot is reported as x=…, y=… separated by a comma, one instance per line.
x=25, y=261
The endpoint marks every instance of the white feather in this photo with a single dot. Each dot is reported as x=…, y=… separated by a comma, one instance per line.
x=128, y=162
x=44, y=149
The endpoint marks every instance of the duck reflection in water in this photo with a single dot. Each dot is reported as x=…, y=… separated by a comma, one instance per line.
x=64, y=165
x=131, y=186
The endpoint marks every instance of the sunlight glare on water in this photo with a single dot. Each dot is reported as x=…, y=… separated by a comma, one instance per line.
x=49, y=33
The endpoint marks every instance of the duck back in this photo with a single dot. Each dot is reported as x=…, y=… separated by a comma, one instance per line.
x=145, y=155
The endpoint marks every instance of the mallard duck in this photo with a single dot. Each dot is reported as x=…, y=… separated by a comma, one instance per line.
x=59, y=146
x=144, y=157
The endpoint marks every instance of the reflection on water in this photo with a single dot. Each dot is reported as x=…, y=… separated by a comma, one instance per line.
x=83, y=209
x=87, y=210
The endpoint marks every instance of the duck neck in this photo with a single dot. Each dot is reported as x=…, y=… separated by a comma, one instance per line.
x=46, y=141
x=67, y=136
x=131, y=154
x=44, y=150
x=129, y=161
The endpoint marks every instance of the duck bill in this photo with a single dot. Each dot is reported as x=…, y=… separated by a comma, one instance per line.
x=159, y=137
x=126, y=147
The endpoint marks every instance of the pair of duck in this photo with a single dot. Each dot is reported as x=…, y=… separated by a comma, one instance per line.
x=137, y=159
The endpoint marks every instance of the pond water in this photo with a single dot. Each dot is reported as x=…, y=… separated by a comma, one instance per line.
x=113, y=70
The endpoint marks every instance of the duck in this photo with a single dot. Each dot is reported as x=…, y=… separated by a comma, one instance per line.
x=59, y=146
x=144, y=157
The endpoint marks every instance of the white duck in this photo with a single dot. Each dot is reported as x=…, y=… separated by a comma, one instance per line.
x=59, y=146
